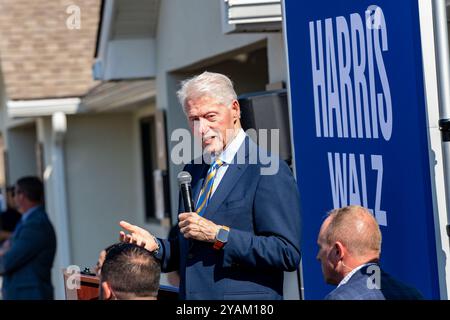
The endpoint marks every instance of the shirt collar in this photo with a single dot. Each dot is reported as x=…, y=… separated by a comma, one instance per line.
x=230, y=151
x=351, y=273
x=29, y=212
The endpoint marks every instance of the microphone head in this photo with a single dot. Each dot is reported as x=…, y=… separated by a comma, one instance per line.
x=184, y=177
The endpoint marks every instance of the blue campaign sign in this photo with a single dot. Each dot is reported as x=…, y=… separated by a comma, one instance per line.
x=359, y=128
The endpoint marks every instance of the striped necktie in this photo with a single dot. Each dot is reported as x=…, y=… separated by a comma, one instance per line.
x=206, y=191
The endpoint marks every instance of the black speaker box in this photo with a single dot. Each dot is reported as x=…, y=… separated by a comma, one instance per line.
x=268, y=110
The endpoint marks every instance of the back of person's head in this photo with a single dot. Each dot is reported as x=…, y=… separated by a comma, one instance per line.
x=356, y=228
x=101, y=259
x=32, y=188
x=211, y=84
x=129, y=272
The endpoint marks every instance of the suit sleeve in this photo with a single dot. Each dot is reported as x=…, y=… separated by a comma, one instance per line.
x=24, y=247
x=170, y=258
x=275, y=242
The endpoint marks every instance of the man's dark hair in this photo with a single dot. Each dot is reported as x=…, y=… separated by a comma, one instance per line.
x=131, y=271
x=31, y=187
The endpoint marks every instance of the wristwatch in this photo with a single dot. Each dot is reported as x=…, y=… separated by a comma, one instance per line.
x=221, y=237
x=155, y=252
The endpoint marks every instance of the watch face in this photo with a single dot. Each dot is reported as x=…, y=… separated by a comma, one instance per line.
x=222, y=236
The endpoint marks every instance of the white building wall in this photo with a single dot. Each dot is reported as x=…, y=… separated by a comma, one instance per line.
x=276, y=56
x=103, y=176
x=103, y=181
x=134, y=51
x=44, y=131
x=21, y=160
x=101, y=184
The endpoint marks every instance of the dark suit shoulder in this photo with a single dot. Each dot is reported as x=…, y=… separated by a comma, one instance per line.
x=394, y=289
x=38, y=223
x=38, y=216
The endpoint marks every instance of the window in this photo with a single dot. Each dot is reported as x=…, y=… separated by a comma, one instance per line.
x=154, y=164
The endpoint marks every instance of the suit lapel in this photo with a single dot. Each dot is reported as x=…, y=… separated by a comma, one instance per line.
x=198, y=179
x=231, y=177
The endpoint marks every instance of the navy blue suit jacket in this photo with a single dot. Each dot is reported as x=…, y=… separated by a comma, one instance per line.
x=263, y=214
x=357, y=288
x=26, y=267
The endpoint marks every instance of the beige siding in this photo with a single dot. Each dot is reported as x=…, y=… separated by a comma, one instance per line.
x=40, y=56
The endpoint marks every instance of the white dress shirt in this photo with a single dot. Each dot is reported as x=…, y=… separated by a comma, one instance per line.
x=351, y=273
x=227, y=156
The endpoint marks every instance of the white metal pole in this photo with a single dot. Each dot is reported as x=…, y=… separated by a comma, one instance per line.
x=59, y=126
x=443, y=76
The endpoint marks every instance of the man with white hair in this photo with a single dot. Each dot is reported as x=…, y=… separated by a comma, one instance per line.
x=349, y=250
x=245, y=231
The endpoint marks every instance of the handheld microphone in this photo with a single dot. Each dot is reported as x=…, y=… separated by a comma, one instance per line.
x=184, y=179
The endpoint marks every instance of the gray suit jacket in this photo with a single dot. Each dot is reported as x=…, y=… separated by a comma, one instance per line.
x=26, y=267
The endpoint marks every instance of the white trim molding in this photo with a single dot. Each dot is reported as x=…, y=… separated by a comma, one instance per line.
x=126, y=48
x=251, y=16
x=118, y=95
x=43, y=107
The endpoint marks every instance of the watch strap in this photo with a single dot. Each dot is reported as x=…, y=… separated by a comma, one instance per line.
x=219, y=244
